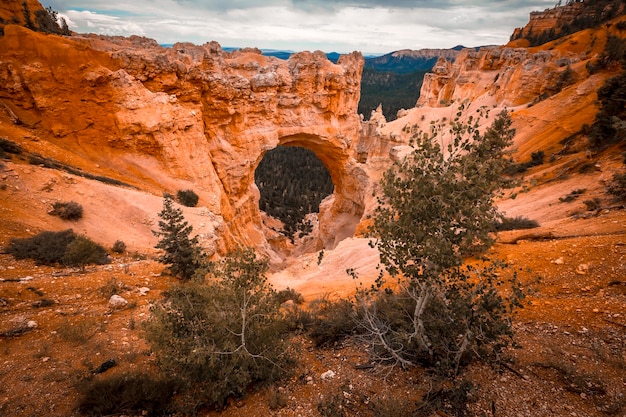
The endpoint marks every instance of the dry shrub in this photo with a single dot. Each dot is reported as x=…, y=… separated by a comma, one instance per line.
x=333, y=320
x=220, y=337
x=136, y=394
x=69, y=210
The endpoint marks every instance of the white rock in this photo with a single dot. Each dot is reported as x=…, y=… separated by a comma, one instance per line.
x=143, y=290
x=116, y=301
x=558, y=261
x=31, y=324
x=327, y=375
x=582, y=269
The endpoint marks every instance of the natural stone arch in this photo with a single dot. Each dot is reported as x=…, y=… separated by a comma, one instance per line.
x=339, y=214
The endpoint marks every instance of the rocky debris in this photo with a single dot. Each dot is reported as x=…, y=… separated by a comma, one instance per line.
x=21, y=325
x=582, y=269
x=327, y=375
x=117, y=301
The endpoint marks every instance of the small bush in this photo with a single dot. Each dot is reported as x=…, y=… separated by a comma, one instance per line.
x=572, y=196
x=70, y=210
x=277, y=398
x=46, y=248
x=289, y=294
x=118, y=247
x=593, y=204
x=222, y=336
x=187, y=198
x=536, y=159
x=515, y=223
x=77, y=331
x=333, y=321
x=617, y=186
x=126, y=394
x=50, y=248
x=8, y=147
x=112, y=287
x=82, y=251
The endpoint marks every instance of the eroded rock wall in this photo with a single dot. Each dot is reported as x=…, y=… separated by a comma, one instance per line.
x=194, y=113
x=509, y=76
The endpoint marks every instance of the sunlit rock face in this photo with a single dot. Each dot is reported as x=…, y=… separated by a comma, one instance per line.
x=159, y=116
x=512, y=76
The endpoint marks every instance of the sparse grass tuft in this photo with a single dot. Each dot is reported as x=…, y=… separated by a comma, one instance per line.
x=112, y=287
x=331, y=406
x=392, y=407
x=277, y=398
x=453, y=400
x=572, y=196
x=516, y=223
x=77, y=332
x=617, y=187
x=119, y=247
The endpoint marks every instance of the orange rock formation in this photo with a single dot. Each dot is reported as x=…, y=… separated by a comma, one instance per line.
x=163, y=119
x=157, y=117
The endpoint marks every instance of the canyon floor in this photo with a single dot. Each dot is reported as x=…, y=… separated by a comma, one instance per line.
x=57, y=327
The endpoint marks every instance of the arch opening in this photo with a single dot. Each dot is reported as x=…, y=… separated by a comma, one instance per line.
x=339, y=213
x=292, y=182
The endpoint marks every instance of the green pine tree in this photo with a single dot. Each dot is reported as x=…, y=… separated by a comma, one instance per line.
x=182, y=254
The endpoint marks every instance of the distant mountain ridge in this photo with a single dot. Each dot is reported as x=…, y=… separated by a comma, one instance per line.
x=405, y=61
x=394, y=80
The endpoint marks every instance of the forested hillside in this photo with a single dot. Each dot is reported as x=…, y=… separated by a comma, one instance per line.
x=292, y=182
x=393, y=90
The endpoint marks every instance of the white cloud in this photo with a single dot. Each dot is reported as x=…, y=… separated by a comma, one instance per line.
x=342, y=25
x=91, y=22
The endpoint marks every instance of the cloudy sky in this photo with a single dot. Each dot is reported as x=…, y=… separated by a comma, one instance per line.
x=369, y=26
